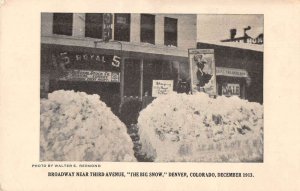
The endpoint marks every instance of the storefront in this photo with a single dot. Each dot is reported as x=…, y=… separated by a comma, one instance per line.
x=239, y=69
x=81, y=69
x=231, y=82
x=119, y=77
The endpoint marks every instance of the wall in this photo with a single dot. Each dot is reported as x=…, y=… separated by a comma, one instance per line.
x=187, y=28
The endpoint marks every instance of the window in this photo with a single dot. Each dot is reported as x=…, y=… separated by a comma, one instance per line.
x=159, y=70
x=62, y=23
x=94, y=25
x=122, y=27
x=170, y=32
x=148, y=28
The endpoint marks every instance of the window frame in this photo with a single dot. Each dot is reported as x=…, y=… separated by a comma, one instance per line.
x=147, y=29
x=60, y=24
x=168, y=39
x=92, y=30
x=119, y=27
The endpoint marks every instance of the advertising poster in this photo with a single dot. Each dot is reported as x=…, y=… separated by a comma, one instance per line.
x=203, y=71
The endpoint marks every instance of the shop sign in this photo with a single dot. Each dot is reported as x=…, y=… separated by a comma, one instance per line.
x=161, y=87
x=203, y=71
x=78, y=60
x=90, y=75
x=231, y=72
x=231, y=89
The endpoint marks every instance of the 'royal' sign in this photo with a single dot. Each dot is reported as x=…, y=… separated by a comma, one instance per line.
x=77, y=60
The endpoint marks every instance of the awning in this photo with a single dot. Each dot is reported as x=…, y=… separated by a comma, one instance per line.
x=231, y=72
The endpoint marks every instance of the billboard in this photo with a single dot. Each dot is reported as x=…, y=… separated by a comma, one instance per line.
x=203, y=71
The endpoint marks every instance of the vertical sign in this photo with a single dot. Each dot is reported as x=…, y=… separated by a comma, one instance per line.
x=107, y=30
x=203, y=71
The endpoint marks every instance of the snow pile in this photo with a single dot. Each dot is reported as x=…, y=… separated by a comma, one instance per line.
x=181, y=127
x=79, y=127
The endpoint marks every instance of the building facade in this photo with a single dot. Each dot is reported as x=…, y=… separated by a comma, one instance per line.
x=115, y=55
x=239, y=69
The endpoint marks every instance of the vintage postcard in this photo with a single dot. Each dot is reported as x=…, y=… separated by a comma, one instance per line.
x=157, y=96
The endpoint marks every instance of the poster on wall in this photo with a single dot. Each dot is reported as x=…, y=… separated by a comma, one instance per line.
x=203, y=71
x=161, y=87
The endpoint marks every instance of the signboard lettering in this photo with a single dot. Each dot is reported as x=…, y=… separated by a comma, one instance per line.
x=231, y=89
x=89, y=75
x=161, y=87
x=232, y=72
x=75, y=60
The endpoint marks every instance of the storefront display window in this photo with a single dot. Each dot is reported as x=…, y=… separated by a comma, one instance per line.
x=158, y=70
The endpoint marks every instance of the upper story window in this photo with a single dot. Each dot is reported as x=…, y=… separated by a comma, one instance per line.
x=94, y=25
x=170, y=31
x=122, y=27
x=62, y=23
x=148, y=28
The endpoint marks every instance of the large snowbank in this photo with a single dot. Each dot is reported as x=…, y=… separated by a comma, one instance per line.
x=181, y=127
x=79, y=127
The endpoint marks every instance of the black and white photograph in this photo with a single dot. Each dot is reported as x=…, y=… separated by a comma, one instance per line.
x=145, y=87
x=149, y=95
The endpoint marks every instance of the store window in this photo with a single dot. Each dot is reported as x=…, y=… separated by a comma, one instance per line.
x=170, y=31
x=94, y=25
x=158, y=70
x=148, y=28
x=62, y=23
x=122, y=27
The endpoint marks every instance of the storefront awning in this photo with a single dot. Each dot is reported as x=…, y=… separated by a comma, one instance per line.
x=231, y=72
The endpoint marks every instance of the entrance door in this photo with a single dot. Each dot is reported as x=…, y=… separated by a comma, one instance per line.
x=132, y=78
x=131, y=105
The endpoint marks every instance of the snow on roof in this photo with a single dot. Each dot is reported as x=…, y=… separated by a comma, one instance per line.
x=241, y=45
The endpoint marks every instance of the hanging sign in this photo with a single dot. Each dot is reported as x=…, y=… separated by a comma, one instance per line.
x=161, y=87
x=203, y=71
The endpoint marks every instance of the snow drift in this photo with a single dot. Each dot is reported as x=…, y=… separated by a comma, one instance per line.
x=181, y=127
x=79, y=127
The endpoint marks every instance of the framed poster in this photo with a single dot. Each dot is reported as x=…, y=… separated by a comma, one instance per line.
x=203, y=71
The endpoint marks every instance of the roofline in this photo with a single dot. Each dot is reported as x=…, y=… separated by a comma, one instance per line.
x=252, y=47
